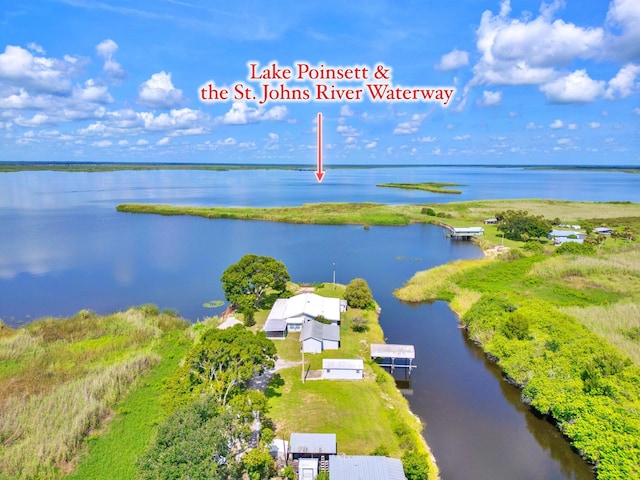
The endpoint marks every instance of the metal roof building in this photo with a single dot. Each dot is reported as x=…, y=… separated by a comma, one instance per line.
x=312, y=444
x=362, y=467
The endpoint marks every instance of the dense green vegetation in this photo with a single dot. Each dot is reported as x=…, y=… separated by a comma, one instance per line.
x=433, y=187
x=209, y=434
x=358, y=294
x=62, y=378
x=560, y=323
x=247, y=283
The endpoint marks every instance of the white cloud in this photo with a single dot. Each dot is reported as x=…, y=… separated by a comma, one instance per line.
x=412, y=126
x=142, y=142
x=624, y=83
x=533, y=126
x=34, y=47
x=625, y=14
x=577, y=87
x=241, y=114
x=490, y=99
x=636, y=111
x=159, y=92
x=163, y=141
x=371, y=145
x=572, y=126
x=345, y=111
x=454, y=59
x=92, y=93
x=425, y=139
x=102, y=143
x=594, y=124
x=35, y=121
x=123, y=143
x=271, y=143
x=107, y=49
x=462, y=137
x=557, y=124
x=347, y=131
x=21, y=68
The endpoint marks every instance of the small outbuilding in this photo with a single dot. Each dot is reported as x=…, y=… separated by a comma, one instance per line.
x=342, y=369
x=316, y=337
x=603, y=230
x=312, y=445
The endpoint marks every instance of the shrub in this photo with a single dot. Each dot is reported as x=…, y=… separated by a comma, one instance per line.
x=416, y=466
x=575, y=248
x=358, y=294
x=428, y=211
x=516, y=326
x=359, y=324
x=150, y=309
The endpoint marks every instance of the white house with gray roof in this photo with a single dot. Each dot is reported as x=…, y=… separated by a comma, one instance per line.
x=289, y=314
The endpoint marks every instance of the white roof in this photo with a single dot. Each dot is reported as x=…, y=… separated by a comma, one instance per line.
x=364, y=467
x=306, y=304
x=313, y=443
x=343, y=363
x=469, y=230
x=388, y=350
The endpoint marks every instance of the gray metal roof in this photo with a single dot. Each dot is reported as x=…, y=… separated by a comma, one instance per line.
x=362, y=467
x=275, y=325
x=343, y=363
x=320, y=331
x=388, y=350
x=313, y=443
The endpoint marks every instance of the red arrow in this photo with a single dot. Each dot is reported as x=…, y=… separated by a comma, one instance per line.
x=319, y=171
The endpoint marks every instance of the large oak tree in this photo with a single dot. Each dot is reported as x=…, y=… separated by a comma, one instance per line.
x=245, y=283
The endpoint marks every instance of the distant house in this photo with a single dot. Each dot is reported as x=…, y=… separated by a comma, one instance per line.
x=312, y=445
x=603, y=230
x=563, y=236
x=342, y=369
x=351, y=467
x=316, y=337
x=289, y=314
x=491, y=221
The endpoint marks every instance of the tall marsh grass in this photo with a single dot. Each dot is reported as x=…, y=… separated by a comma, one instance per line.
x=611, y=322
x=41, y=434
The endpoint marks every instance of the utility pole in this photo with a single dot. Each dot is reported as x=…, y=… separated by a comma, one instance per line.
x=334, y=275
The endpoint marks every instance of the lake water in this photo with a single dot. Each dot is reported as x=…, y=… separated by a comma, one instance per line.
x=63, y=247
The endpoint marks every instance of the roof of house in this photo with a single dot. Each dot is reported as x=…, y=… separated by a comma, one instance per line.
x=564, y=233
x=306, y=304
x=343, y=363
x=602, y=229
x=313, y=443
x=275, y=325
x=320, y=331
x=362, y=467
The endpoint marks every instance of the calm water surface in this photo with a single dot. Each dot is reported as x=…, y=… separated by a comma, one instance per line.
x=63, y=248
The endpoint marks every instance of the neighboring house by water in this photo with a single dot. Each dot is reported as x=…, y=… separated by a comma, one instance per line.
x=342, y=369
x=289, y=314
x=562, y=236
x=316, y=337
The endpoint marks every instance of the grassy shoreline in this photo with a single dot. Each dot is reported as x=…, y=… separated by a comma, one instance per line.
x=433, y=187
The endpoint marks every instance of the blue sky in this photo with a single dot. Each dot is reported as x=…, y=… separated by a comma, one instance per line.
x=553, y=82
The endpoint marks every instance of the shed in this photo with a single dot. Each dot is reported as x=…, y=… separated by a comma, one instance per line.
x=312, y=445
x=491, y=221
x=365, y=467
x=603, y=230
x=342, y=369
x=316, y=337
